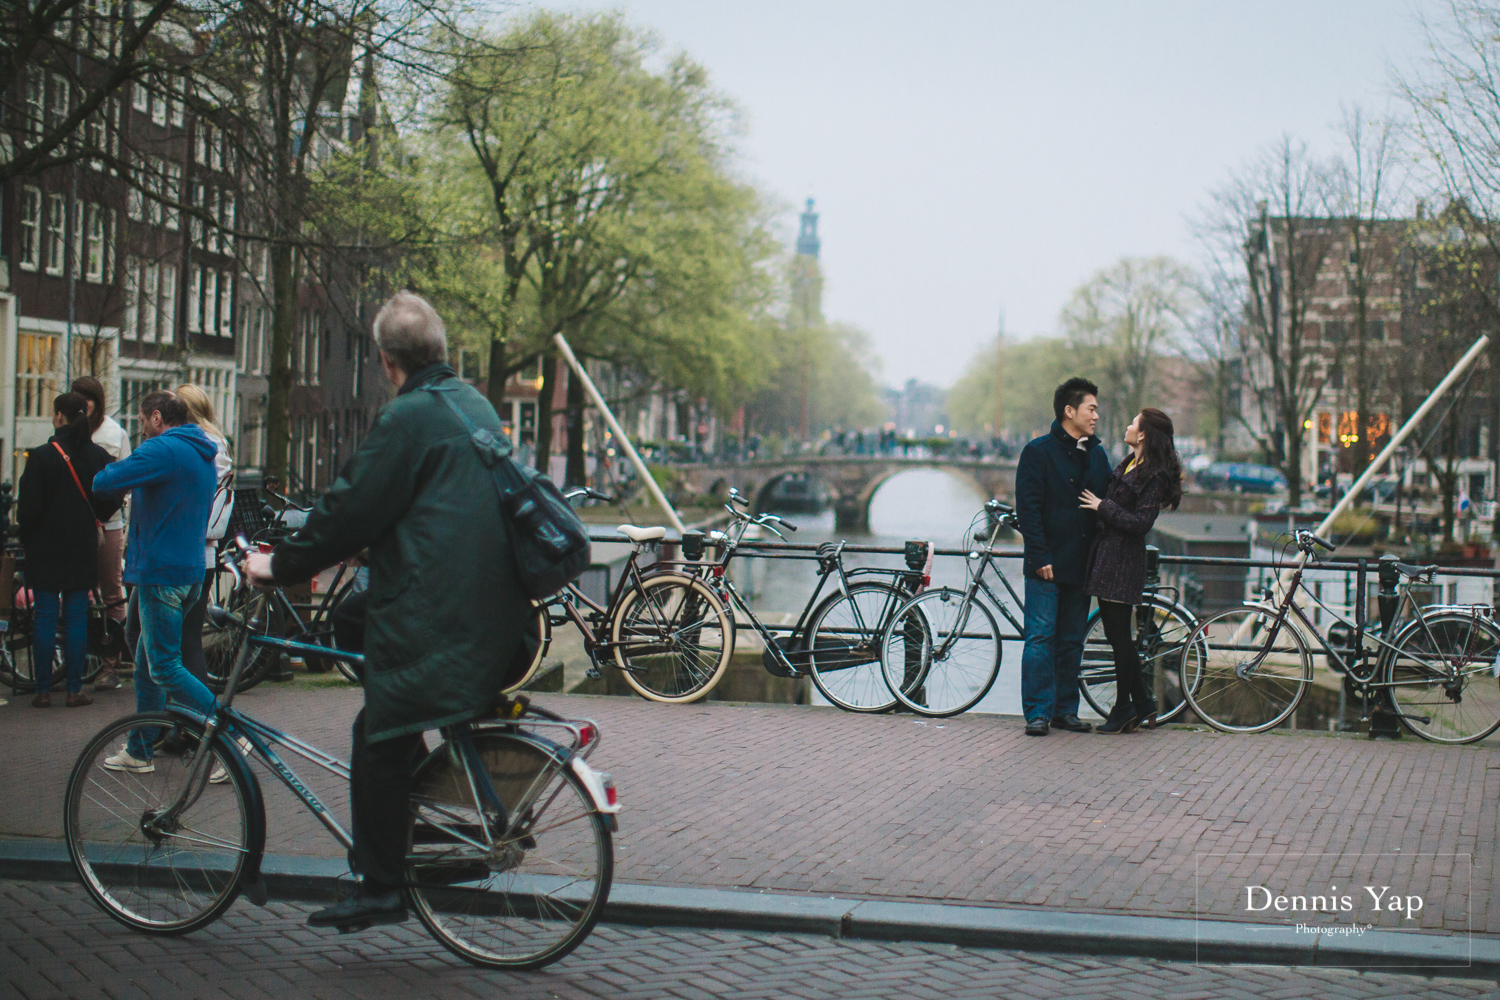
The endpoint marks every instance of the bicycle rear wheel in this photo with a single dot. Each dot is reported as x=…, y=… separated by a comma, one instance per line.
x=162, y=879
x=844, y=637
x=539, y=631
x=1251, y=673
x=672, y=638
x=1442, y=677
x=1161, y=630
x=514, y=895
x=941, y=653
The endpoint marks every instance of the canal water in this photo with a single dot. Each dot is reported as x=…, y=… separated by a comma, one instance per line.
x=924, y=504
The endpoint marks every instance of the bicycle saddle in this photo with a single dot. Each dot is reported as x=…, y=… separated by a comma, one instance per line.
x=1407, y=569
x=635, y=534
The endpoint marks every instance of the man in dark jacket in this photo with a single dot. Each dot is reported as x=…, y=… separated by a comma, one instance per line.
x=446, y=613
x=1053, y=472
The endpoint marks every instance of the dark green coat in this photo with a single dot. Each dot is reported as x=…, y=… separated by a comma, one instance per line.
x=446, y=612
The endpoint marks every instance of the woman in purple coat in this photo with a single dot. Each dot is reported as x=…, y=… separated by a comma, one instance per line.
x=1150, y=478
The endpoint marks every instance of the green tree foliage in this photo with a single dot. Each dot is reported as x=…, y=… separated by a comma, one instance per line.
x=583, y=186
x=1027, y=372
x=819, y=377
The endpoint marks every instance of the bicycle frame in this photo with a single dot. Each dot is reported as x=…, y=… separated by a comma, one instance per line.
x=977, y=583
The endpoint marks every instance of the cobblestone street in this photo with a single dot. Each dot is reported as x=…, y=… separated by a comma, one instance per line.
x=56, y=945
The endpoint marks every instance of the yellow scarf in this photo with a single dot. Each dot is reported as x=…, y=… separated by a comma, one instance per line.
x=1133, y=463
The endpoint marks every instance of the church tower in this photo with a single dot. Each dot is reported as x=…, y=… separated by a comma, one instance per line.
x=807, y=277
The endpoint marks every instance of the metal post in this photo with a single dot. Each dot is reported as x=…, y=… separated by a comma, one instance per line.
x=614, y=425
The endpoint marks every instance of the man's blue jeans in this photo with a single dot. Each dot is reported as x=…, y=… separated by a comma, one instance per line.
x=1056, y=616
x=159, y=672
x=75, y=614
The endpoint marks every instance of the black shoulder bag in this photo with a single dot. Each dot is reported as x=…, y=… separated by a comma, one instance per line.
x=548, y=542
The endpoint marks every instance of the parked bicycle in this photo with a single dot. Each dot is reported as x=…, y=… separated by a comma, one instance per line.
x=950, y=662
x=1436, y=667
x=511, y=854
x=835, y=641
x=667, y=632
x=17, y=666
x=307, y=623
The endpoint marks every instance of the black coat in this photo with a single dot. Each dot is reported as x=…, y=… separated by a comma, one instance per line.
x=1117, y=564
x=1052, y=473
x=447, y=617
x=57, y=525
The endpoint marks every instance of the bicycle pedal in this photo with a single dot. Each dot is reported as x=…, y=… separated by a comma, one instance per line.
x=594, y=674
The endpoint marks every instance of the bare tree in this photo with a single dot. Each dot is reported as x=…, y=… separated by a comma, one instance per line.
x=1266, y=228
x=1127, y=315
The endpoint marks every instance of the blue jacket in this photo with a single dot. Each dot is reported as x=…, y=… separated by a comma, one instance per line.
x=1051, y=474
x=172, y=482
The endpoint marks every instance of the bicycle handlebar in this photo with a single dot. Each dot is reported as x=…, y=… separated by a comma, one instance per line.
x=585, y=493
x=1307, y=540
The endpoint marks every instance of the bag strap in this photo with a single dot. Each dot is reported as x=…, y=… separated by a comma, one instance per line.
x=494, y=452
x=77, y=482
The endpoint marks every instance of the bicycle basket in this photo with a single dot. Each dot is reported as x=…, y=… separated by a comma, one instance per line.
x=247, y=518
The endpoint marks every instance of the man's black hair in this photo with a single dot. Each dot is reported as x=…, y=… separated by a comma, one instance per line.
x=1071, y=393
x=173, y=410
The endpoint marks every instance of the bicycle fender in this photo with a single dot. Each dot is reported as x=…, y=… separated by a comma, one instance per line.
x=601, y=790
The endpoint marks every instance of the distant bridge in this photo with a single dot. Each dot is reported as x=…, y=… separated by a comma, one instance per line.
x=851, y=479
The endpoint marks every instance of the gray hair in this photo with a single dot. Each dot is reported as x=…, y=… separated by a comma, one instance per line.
x=410, y=332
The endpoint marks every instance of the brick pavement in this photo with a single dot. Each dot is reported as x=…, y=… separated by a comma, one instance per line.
x=55, y=945
x=966, y=810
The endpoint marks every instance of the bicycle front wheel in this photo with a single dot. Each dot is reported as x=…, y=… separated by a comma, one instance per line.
x=941, y=653
x=1442, y=677
x=844, y=638
x=672, y=638
x=1245, y=670
x=150, y=875
x=222, y=644
x=1160, y=629
x=518, y=888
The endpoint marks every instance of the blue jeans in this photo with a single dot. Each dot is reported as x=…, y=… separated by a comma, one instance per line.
x=159, y=649
x=75, y=616
x=1056, y=616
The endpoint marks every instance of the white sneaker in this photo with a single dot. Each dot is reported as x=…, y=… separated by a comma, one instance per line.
x=219, y=776
x=122, y=761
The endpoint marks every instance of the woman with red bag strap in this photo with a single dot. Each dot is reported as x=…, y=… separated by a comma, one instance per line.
x=58, y=517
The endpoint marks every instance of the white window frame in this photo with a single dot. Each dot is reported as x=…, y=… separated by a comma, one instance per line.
x=168, y=304
x=36, y=99
x=226, y=305
x=111, y=234
x=159, y=102
x=226, y=219
x=57, y=234
x=149, y=288
x=130, y=326
x=62, y=92
x=174, y=192
x=194, y=299
x=94, y=256
x=140, y=97
x=30, y=246
x=210, y=301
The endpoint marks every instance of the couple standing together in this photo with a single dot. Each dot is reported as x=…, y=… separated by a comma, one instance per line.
x=1085, y=529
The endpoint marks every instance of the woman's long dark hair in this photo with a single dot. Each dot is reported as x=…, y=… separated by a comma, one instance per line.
x=92, y=389
x=75, y=410
x=1159, y=452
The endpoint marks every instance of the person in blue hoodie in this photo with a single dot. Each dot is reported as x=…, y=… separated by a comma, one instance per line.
x=171, y=479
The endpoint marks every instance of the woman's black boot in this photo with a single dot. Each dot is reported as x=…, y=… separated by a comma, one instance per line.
x=1122, y=719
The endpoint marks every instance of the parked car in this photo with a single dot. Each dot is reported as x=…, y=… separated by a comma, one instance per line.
x=1241, y=477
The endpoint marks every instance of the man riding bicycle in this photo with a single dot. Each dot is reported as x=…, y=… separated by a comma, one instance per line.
x=446, y=614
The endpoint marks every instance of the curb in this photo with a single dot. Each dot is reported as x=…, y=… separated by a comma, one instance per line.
x=299, y=877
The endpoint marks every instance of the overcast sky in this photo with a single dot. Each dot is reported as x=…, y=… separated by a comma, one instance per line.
x=969, y=157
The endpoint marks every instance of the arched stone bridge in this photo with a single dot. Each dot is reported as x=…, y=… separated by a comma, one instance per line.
x=851, y=479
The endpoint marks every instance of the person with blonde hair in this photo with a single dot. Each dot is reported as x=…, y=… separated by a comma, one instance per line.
x=200, y=411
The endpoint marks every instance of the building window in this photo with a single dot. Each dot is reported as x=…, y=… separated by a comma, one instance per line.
x=174, y=194
x=140, y=97
x=1376, y=329
x=168, y=304
x=111, y=233
x=60, y=94
x=155, y=186
x=149, y=287
x=31, y=229
x=226, y=305
x=131, y=324
x=36, y=87
x=226, y=219
x=194, y=300
x=95, y=261
x=57, y=233
x=132, y=391
x=113, y=125
x=37, y=370
x=262, y=339
x=93, y=134
x=159, y=102
x=134, y=199
x=210, y=301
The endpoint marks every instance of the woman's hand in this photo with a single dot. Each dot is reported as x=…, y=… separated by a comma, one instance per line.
x=1087, y=499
